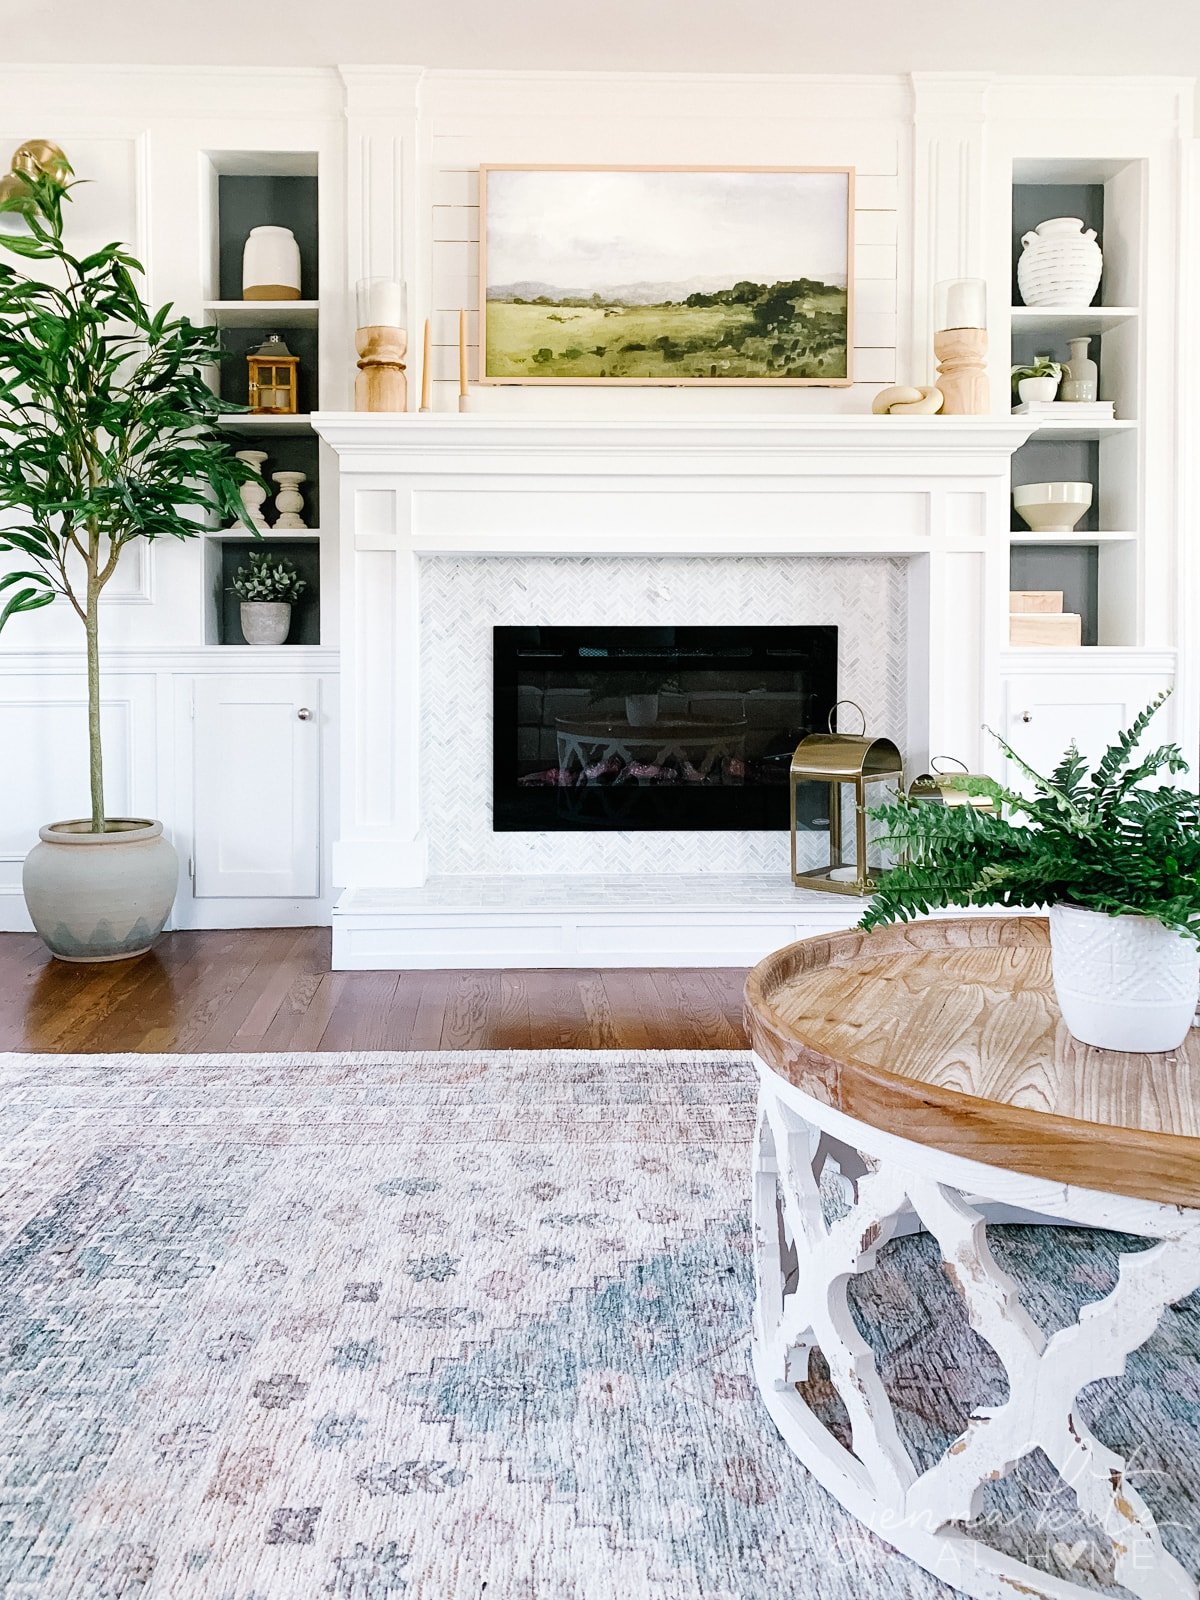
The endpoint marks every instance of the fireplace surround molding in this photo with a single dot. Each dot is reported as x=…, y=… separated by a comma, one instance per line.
x=934, y=491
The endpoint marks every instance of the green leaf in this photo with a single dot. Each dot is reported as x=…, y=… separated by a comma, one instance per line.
x=25, y=600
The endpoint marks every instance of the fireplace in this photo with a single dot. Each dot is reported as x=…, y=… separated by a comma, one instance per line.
x=600, y=728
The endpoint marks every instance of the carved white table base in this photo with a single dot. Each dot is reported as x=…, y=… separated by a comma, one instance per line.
x=805, y=1264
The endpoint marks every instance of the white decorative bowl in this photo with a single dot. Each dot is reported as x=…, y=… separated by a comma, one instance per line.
x=1052, y=507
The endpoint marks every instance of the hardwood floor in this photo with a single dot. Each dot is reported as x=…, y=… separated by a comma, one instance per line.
x=271, y=989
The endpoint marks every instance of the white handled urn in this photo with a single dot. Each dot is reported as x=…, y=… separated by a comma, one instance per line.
x=1060, y=264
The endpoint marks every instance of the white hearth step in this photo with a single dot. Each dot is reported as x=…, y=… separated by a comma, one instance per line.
x=615, y=920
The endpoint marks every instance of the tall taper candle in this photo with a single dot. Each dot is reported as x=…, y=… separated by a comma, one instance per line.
x=462, y=353
x=425, y=369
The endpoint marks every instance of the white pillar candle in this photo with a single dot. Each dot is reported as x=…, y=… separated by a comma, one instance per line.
x=960, y=303
x=380, y=303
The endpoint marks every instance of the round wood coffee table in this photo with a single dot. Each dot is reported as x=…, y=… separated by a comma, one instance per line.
x=923, y=1077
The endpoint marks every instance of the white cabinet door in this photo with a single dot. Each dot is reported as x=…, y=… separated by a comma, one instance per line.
x=258, y=785
x=1045, y=712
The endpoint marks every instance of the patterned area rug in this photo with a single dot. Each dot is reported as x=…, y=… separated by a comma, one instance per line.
x=441, y=1326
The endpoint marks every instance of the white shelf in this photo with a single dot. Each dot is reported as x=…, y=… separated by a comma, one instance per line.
x=263, y=313
x=1077, y=536
x=1053, y=428
x=283, y=427
x=224, y=535
x=1092, y=319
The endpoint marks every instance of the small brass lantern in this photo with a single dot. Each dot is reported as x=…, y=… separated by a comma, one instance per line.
x=842, y=761
x=936, y=788
x=273, y=378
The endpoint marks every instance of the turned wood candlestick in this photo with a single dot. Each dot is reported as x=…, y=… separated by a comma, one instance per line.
x=381, y=384
x=962, y=373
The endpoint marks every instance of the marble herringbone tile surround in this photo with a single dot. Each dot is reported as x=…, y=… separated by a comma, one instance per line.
x=464, y=597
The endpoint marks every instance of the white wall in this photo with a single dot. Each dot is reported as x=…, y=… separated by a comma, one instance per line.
x=1103, y=36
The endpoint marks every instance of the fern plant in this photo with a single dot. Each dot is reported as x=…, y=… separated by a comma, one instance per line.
x=1117, y=840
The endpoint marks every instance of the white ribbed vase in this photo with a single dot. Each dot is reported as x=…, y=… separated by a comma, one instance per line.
x=1123, y=983
x=271, y=265
x=1060, y=264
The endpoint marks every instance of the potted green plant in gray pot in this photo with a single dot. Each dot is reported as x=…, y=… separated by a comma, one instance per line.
x=1113, y=853
x=268, y=586
x=106, y=436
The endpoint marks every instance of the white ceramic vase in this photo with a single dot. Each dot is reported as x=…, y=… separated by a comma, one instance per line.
x=100, y=896
x=641, y=710
x=1123, y=983
x=271, y=265
x=1081, y=376
x=289, y=502
x=1060, y=264
x=266, y=621
x=1036, y=389
x=252, y=495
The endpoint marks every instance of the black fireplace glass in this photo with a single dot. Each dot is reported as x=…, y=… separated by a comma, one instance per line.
x=640, y=728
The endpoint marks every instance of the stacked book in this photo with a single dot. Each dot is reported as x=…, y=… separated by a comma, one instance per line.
x=1066, y=410
x=1036, y=617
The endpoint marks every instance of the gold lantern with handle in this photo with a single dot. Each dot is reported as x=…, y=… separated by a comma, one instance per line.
x=273, y=384
x=847, y=764
x=940, y=787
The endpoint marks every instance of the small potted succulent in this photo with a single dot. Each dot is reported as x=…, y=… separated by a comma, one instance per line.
x=1037, y=382
x=1114, y=854
x=268, y=586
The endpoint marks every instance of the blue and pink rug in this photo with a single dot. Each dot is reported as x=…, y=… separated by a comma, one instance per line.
x=438, y=1326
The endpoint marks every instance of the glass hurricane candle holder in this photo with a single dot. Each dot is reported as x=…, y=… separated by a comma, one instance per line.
x=960, y=345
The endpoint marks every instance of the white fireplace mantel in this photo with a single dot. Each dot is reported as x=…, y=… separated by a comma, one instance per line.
x=356, y=435
x=934, y=490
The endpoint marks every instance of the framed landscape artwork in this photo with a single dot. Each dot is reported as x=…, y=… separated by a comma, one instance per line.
x=666, y=275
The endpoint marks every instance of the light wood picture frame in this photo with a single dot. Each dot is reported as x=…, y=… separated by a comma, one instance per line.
x=666, y=275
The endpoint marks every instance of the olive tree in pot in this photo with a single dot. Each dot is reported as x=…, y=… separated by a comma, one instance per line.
x=1114, y=854
x=106, y=436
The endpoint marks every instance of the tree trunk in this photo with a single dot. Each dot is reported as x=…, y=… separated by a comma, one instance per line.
x=95, y=754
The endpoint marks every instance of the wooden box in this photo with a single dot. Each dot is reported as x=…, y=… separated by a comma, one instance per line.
x=1045, y=629
x=1043, y=601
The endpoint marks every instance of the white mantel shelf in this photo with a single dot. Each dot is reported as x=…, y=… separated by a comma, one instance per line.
x=364, y=441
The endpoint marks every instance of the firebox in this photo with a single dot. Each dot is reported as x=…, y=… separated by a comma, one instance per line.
x=644, y=728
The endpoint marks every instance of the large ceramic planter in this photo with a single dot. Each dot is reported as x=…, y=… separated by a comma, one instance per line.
x=1123, y=983
x=266, y=621
x=100, y=896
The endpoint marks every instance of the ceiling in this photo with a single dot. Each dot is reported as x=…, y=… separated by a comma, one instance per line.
x=868, y=36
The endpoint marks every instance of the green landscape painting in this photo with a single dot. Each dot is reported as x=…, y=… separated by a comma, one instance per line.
x=666, y=275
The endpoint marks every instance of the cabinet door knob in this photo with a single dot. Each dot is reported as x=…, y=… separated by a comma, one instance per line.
x=304, y=714
x=1026, y=716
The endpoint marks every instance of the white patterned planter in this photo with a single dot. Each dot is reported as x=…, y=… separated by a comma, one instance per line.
x=1123, y=983
x=1060, y=264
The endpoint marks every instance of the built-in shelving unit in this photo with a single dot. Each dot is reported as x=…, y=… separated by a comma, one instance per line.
x=249, y=188
x=1097, y=566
